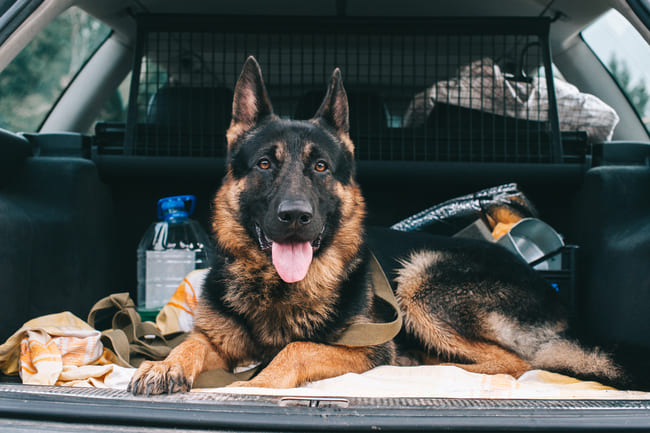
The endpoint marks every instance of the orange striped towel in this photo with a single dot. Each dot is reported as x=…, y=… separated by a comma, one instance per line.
x=43, y=355
x=178, y=314
x=60, y=349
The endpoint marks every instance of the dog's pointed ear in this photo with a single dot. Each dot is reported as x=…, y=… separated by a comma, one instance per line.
x=250, y=101
x=334, y=110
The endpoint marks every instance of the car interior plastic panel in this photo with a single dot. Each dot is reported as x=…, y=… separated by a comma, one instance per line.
x=58, y=232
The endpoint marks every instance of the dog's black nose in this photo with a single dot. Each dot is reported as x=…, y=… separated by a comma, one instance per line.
x=300, y=211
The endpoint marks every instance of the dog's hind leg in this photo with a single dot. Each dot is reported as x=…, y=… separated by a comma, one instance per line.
x=441, y=342
x=489, y=358
x=435, y=322
x=458, y=307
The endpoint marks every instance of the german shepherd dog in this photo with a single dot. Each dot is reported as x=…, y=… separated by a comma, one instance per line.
x=293, y=271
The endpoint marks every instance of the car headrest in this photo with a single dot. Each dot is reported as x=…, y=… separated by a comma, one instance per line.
x=204, y=109
x=368, y=111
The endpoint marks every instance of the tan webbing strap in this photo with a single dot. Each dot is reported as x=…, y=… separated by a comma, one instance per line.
x=118, y=301
x=219, y=377
x=132, y=340
x=116, y=341
x=371, y=334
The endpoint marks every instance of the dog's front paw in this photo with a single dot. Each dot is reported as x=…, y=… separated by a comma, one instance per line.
x=158, y=377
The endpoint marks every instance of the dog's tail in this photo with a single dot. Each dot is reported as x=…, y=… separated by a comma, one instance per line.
x=544, y=346
x=564, y=355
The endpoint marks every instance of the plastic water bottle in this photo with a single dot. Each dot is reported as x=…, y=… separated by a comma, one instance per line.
x=170, y=249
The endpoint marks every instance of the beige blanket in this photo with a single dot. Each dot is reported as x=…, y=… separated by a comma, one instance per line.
x=447, y=382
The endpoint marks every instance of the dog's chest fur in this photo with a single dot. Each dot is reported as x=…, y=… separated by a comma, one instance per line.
x=274, y=312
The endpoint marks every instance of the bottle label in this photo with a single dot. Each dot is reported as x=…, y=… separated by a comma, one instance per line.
x=165, y=271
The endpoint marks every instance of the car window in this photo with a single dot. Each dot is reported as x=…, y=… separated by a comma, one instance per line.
x=34, y=80
x=645, y=4
x=153, y=75
x=115, y=108
x=626, y=55
x=5, y=5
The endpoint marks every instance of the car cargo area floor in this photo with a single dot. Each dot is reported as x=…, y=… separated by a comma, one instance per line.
x=229, y=411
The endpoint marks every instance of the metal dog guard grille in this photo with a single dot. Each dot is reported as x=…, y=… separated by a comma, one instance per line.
x=419, y=89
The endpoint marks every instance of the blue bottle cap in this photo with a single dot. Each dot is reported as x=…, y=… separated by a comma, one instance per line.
x=175, y=208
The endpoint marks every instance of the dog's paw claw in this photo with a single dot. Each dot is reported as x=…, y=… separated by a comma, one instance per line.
x=154, y=378
x=170, y=388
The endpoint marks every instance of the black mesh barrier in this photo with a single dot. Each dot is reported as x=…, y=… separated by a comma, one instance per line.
x=419, y=89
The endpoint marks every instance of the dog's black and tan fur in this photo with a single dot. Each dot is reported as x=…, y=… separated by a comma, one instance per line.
x=293, y=183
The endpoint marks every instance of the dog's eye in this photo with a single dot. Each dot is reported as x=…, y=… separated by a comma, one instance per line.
x=264, y=164
x=320, y=166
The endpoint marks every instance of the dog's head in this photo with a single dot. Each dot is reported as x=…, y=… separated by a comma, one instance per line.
x=289, y=191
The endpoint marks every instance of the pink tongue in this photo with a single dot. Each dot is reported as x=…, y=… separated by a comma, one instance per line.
x=292, y=260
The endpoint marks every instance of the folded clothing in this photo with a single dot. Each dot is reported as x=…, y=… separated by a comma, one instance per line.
x=178, y=314
x=482, y=85
x=61, y=349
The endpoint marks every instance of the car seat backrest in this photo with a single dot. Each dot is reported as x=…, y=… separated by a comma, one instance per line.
x=182, y=121
x=368, y=112
x=205, y=109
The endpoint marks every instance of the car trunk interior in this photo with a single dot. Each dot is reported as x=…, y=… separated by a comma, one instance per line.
x=73, y=207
